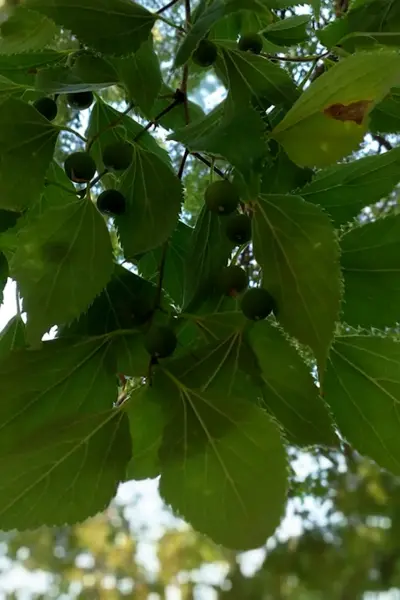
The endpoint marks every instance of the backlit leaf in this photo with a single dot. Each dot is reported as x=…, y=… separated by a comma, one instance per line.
x=362, y=389
x=287, y=32
x=371, y=270
x=290, y=393
x=59, y=466
x=141, y=76
x=110, y=26
x=244, y=126
x=345, y=189
x=62, y=262
x=153, y=194
x=295, y=244
x=12, y=336
x=25, y=30
x=147, y=420
x=174, y=269
x=248, y=75
x=213, y=13
x=210, y=250
x=223, y=465
x=27, y=138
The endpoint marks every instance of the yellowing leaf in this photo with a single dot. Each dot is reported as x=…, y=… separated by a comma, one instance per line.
x=330, y=118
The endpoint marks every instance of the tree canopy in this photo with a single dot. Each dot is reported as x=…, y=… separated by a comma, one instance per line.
x=198, y=202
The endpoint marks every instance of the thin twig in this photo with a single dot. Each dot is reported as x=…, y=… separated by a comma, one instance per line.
x=295, y=58
x=382, y=141
x=167, y=6
x=80, y=136
x=183, y=163
x=97, y=179
x=208, y=163
x=157, y=118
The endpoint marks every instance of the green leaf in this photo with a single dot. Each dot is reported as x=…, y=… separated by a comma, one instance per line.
x=107, y=125
x=154, y=195
x=50, y=477
x=281, y=175
x=288, y=32
x=8, y=219
x=290, y=393
x=60, y=438
x=371, y=270
x=176, y=117
x=248, y=75
x=4, y=272
x=330, y=118
x=385, y=118
x=365, y=24
x=213, y=13
x=115, y=27
x=62, y=261
x=141, y=76
x=22, y=68
x=121, y=306
x=25, y=30
x=344, y=190
x=27, y=138
x=147, y=420
x=362, y=390
x=174, y=268
x=10, y=88
x=295, y=244
x=210, y=250
x=88, y=73
x=245, y=127
x=223, y=465
x=114, y=308
x=12, y=336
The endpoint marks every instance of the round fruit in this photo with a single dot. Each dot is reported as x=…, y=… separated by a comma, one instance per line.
x=160, y=341
x=233, y=280
x=257, y=304
x=111, y=202
x=80, y=100
x=238, y=229
x=80, y=167
x=205, y=54
x=47, y=107
x=118, y=156
x=221, y=197
x=252, y=42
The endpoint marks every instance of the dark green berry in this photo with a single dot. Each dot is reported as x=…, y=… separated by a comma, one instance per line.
x=80, y=167
x=47, y=107
x=251, y=42
x=238, y=229
x=233, y=280
x=205, y=54
x=111, y=202
x=257, y=304
x=222, y=197
x=160, y=341
x=80, y=100
x=118, y=156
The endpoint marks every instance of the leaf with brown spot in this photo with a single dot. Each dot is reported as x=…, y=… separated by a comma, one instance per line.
x=355, y=111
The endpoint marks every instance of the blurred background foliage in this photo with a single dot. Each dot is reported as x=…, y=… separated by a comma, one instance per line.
x=341, y=536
